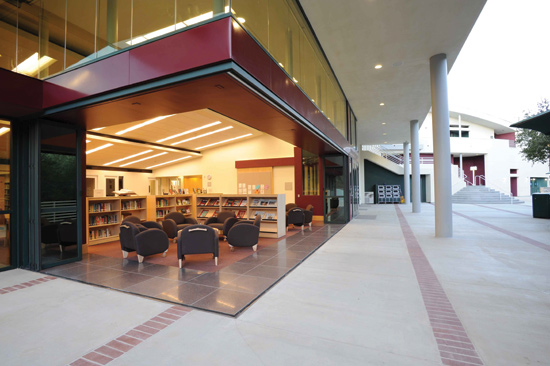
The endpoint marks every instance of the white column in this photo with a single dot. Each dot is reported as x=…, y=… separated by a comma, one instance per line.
x=442, y=147
x=406, y=173
x=461, y=167
x=415, y=162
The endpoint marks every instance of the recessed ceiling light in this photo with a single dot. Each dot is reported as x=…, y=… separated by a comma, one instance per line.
x=240, y=19
x=190, y=131
x=385, y=142
x=143, y=124
x=98, y=129
x=4, y=130
x=382, y=104
x=378, y=66
x=204, y=134
x=221, y=142
x=294, y=79
x=98, y=148
x=87, y=141
x=280, y=64
x=128, y=157
x=383, y=123
x=168, y=162
x=384, y=134
x=147, y=158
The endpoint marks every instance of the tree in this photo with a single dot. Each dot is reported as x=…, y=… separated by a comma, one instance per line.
x=535, y=146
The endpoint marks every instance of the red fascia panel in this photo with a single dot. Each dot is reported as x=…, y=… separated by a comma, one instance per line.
x=178, y=53
x=262, y=163
x=506, y=136
x=20, y=95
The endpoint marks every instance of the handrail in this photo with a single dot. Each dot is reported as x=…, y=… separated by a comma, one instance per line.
x=397, y=159
x=498, y=188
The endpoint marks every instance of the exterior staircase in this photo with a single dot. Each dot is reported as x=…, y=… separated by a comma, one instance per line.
x=482, y=195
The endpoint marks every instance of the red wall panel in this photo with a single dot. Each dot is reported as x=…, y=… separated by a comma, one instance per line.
x=19, y=94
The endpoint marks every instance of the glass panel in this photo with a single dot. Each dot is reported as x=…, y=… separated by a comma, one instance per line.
x=152, y=19
x=51, y=42
x=336, y=205
x=113, y=26
x=8, y=22
x=58, y=206
x=5, y=193
x=81, y=39
x=310, y=174
x=253, y=15
x=27, y=39
x=189, y=12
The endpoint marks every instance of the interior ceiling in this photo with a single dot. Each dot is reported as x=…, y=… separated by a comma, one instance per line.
x=209, y=128
x=401, y=35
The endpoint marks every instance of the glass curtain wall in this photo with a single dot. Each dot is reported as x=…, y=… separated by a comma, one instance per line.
x=336, y=189
x=310, y=174
x=40, y=38
x=279, y=26
x=5, y=194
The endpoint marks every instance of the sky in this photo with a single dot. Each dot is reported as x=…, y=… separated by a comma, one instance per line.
x=504, y=66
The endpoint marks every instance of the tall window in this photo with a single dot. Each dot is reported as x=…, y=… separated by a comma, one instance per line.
x=310, y=174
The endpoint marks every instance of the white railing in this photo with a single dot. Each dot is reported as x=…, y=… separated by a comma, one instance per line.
x=391, y=156
x=481, y=179
x=59, y=215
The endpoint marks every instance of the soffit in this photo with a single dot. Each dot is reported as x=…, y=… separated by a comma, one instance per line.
x=401, y=35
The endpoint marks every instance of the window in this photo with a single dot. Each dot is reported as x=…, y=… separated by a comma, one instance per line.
x=465, y=134
x=454, y=133
x=310, y=174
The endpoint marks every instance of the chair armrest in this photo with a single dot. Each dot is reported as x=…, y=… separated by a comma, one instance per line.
x=228, y=224
x=191, y=220
x=211, y=220
x=170, y=228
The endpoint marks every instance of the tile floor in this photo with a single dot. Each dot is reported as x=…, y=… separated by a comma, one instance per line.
x=228, y=291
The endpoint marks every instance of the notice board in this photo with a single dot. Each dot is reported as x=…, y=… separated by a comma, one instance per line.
x=255, y=180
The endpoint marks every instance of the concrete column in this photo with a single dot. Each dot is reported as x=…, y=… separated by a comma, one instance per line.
x=461, y=167
x=415, y=162
x=406, y=173
x=442, y=147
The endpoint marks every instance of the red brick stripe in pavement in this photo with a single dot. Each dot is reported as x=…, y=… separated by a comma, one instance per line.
x=454, y=345
x=38, y=281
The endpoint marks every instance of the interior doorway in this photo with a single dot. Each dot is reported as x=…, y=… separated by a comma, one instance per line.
x=193, y=183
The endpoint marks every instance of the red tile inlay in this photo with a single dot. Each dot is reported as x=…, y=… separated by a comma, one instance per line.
x=23, y=285
x=124, y=343
x=455, y=347
x=500, y=209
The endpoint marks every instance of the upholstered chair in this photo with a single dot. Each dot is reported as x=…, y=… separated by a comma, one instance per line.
x=223, y=222
x=176, y=221
x=67, y=233
x=290, y=206
x=296, y=217
x=197, y=239
x=245, y=234
x=144, y=243
x=308, y=215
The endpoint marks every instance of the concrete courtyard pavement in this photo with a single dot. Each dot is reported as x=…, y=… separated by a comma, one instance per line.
x=383, y=291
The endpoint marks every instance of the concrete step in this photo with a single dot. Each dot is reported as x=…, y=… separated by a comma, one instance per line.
x=482, y=195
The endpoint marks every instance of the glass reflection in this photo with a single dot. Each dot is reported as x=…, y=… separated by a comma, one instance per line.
x=5, y=193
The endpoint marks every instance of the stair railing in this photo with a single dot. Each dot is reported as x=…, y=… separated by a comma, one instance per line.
x=481, y=178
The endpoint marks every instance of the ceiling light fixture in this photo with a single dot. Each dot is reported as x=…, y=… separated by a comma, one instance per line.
x=383, y=123
x=4, y=130
x=384, y=134
x=221, y=142
x=382, y=104
x=190, y=131
x=98, y=148
x=168, y=162
x=137, y=161
x=98, y=129
x=143, y=124
x=377, y=67
x=128, y=157
x=294, y=79
x=33, y=64
x=203, y=135
x=240, y=19
x=88, y=141
x=280, y=64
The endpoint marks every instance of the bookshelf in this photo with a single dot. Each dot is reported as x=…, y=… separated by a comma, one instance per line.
x=208, y=205
x=160, y=206
x=134, y=206
x=185, y=204
x=103, y=219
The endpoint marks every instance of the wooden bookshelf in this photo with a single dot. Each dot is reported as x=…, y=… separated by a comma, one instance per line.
x=103, y=219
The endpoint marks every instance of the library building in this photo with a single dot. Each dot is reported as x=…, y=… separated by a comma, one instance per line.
x=170, y=148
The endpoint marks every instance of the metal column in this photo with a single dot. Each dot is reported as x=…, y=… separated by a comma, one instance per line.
x=415, y=165
x=406, y=173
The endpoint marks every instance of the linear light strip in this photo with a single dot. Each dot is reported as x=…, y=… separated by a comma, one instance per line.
x=4, y=130
x=203, y=135
x=168, y=162
x=221, y=142
x=147, y=158
x=143, y=124
x=190, y=131
x=98, y=148
x=128, y=157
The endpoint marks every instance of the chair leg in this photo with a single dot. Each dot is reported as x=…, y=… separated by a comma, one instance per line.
x=140, y=258
x=216, y=261
x=181, y=263
x=231, y=247
x=310, y=227
x=255, y=247
x=164, y=253
x=61, y=248
x=303, y=227
x=124, y=254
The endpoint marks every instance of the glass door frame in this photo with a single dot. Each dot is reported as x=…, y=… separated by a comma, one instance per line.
x=80, y=169
x=346, y=184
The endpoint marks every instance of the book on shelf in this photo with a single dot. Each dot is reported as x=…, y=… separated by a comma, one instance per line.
x=100, y=207
x=185, y=210
x=216, y=202
x=243, y=202
x=270, y=216
x=204, y=213
x=272, y=202
x=215, y=214
x=211, y=202
x=241, y=214
x=256, y=202
x=236, y=202
x=229, y=202
x=264, y=202
x=259, y=213
x=203, y=202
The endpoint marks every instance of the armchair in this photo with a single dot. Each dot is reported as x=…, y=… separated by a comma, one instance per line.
x=308, y=215
x=245, y=234
x=295, y=217
x=144, y=243
x=67, y=234
x=223, y=222
x=176, y=221
x=197, y=239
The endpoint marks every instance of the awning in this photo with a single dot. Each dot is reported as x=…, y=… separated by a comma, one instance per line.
x=539, y=123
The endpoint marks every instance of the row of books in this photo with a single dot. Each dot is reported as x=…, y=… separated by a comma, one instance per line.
x=264, y=202
x=182, y=202
x=209, y=202
x=162, y=213
x=100, y=207
x=185, y=211
x=100, y=233
x=206, y=213
x=234, y=202
x=103, y=220
x=265, y=215
x=131, y=205
x=162, y=203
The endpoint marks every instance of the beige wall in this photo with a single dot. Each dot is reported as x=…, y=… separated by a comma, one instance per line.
x=137, y=182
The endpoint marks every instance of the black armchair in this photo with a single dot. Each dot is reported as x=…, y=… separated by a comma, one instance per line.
x=223, y=222
x=308, y=215
x=133, y=219
x=295, y=217
x=176, y=221
x=245, y=234
x=144, y=243
x=197, y=239
x=67, y=234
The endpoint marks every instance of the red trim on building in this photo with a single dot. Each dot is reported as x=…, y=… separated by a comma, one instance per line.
x=262, y=163
x=506, y=136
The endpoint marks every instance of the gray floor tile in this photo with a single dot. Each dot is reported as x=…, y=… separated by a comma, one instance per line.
x=123, y=281
x=238, y=268
x=267, y=272
x=282, y=261
x=152, y=286
x=225, y=301
x=216, y=279
x=250, y=284
x=186, y=293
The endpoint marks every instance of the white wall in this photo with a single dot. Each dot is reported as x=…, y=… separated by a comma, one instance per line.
x=281, y=176
x=137, y=182
x=219, y=163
